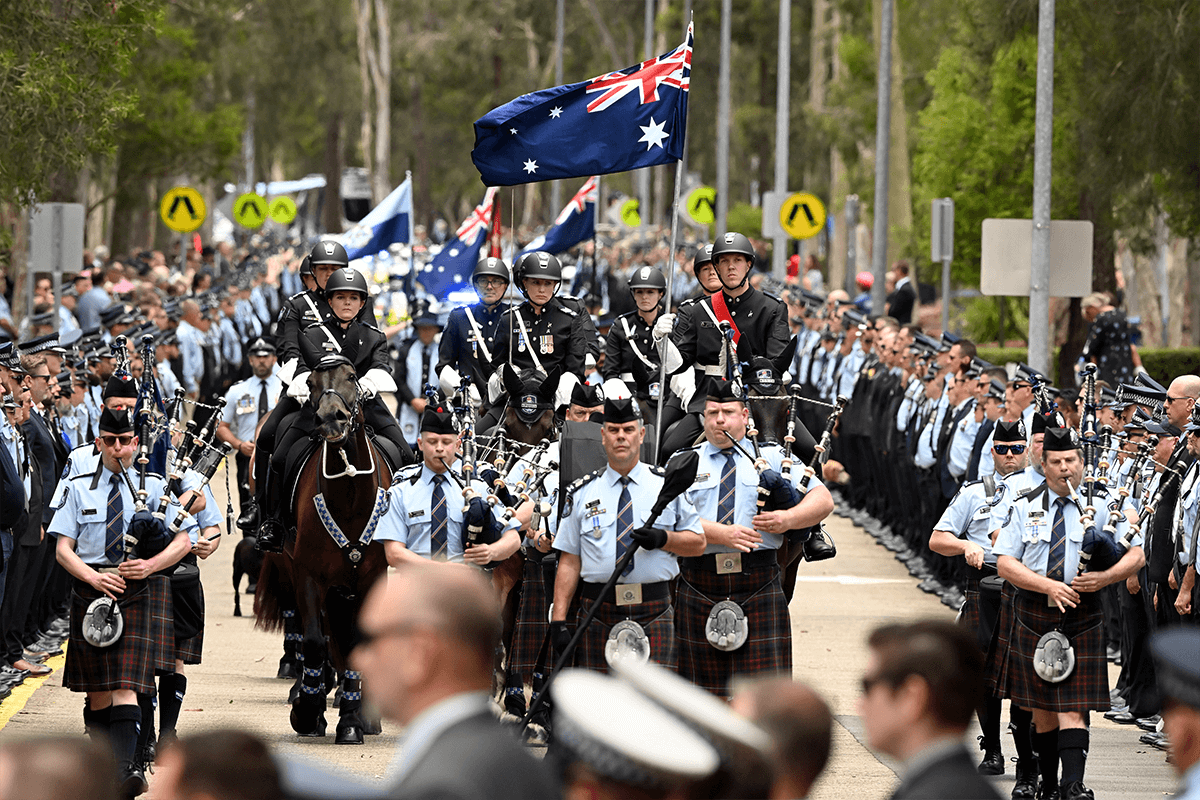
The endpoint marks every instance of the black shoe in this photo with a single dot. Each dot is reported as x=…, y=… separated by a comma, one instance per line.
x=993, y=762
x=1027, y=780
x=819, y=547
x=248, y=521
x=133, y=780
x=1148, y=723
x=270, y=536
x=1047, y=792
x=1077, y=791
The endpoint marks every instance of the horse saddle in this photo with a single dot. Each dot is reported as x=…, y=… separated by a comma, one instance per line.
x=304, y=449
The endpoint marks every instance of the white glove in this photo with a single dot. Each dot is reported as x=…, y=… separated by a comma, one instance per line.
x=298, y=390
x=495, y=387
x=684, y=386
x=449, y=380
x=287, y=372
x=671, y=358
x=565, y=384
x=376, y=381
x=662, y=326
x=473, y=393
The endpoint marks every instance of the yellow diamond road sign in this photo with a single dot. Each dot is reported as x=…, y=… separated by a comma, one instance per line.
x=250, y=210
x=282, y=210
x=702, y=205
x=629, y=213
x=182, y=209
x=802, y=215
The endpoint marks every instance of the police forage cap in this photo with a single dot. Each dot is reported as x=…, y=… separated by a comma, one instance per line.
x=1175, y=664
x=329, y=253
x=737, y=739
x=586, y=395
x=624, y=736
x=121, y=384
x=722, y=391
x=437, y=419
x=261, y=347
x=1009, y=431
x=118, y=421
x=646, y=277
x=622, y=409
x=1060, y=440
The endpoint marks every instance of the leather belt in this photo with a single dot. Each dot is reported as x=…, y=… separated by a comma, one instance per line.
x=649, y=591
x=107, y=569
x=986, y=571
x=711, y=562
x=712, y=369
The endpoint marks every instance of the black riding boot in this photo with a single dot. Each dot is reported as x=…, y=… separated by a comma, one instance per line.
x=271, y=530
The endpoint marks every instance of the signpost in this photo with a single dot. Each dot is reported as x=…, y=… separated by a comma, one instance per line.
x=629, y=213
x=702, y=205
x=55, y=245
x=941, y=248
x=1007, y=250
x=802, y=215
x=182, y=210
x=282, y=210
x=250, y=210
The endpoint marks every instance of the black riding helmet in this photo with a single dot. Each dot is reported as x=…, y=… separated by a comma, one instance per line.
x=490, y=266
x=703, y=256
x=329, y=253
x=648, y=278
x=347, y=279
x=306, y=266
x=734, y=243
x=538, y=265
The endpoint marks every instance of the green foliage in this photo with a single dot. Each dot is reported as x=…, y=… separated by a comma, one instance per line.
x=981, y=319
x=1167, y=363
x=745, y=218
x=1016, y=355
x=64, y=88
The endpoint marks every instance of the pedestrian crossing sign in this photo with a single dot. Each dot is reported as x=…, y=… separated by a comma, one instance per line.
x=182, y=209
x=250, y=210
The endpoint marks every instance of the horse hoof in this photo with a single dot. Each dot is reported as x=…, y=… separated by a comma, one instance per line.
x=372, y=727
x=288, y=671
x=351, y=734
x=237, y=612
x=306, y=728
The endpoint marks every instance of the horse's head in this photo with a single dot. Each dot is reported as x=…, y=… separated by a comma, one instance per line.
x=529, y=417
x=334, y=386
x=763, y=379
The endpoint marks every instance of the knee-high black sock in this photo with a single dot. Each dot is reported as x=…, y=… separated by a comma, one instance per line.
x=1022, y=722
x=1072, y=751
x=170, y=700
x=989, y=721
x=146, y=727
x=95, y=721
x=1047, y=749
x=123, y=724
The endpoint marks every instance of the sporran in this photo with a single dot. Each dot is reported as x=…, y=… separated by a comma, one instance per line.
x=103, y=623
x=726, y=627
x=627, y=640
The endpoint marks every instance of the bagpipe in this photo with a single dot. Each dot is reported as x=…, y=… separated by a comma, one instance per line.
x=200, y=452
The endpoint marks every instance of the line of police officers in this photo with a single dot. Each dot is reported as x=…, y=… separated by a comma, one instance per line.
x=978, y=472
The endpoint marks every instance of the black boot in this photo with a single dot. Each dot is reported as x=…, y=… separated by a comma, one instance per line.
x=819, y=546
x=248, y=521
x=271, y=530
x=1027, y=780
x=123, y=725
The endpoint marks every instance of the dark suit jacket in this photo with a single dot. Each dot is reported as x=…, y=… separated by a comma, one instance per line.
x=41, y=446
x=901, y=304
x=13, y=516
x=474, y=759
x=951, y=777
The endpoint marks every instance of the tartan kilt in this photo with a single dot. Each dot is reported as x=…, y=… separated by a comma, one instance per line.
x=162, y=623
x=657, y=617
x=129, y=662
x=973, y=616
x=1023, y=621
x=768, y=649
x=532, y=623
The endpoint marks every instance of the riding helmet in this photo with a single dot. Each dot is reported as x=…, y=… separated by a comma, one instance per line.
x=329, y=253
x=647, y=278
x=306, y=266
x=347, y=279
x=538, y=265
x=492, y=267
x=732, y=243
x=703, y=256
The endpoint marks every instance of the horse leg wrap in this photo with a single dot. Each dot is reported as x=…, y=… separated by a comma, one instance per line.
x=311, y=683
x=351, y=692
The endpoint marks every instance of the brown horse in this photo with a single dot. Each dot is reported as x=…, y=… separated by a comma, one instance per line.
x=337, y=504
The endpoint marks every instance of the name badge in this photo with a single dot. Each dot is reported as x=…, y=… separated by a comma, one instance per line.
x=702, y=478
x=87, y=511
x=245, y=405
x=416, y=513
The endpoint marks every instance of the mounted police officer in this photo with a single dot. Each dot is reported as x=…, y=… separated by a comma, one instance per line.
x=543, y=332
x=469, y=339
x=365, y=347
x=603, y=516
x=631, y=360
x=695, y=339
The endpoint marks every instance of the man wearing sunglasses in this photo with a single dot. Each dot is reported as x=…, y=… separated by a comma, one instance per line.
x=964, y=530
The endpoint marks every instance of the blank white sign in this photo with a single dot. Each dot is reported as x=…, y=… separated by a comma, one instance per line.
x=1008, y=249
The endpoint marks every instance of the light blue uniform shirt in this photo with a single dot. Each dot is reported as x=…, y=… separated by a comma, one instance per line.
x=167, y=382
x=1026, y=534
x=926, y=455
x=589, y=526
x=1189, y=502
x=241, y=404
x=16, y=448
x=410, y=507
x=969, y=516
x=84, y=514
x=704, y=494
x=961, y=442
x=908, y=404
x=1007, y=490
x=230, y=341
x=851, y=364
x=191, y=344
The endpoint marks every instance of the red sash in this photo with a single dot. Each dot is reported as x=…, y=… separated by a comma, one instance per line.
x=723, y=315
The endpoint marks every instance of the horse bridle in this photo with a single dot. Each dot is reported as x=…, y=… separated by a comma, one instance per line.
x=351, y=409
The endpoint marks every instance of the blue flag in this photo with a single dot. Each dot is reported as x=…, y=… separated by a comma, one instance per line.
x=617, y=122
x=450, y=270
x=575, y=223
x=387, y=223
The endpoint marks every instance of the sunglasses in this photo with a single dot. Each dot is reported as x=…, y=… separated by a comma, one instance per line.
x=112, y=441
x=1005, y=449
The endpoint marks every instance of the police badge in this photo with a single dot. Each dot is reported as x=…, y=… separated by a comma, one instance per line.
x=102, y=622
x=627, y=640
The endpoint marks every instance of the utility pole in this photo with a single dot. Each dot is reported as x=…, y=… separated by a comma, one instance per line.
x=883, y=119
x=1043, y=135
x=723, y=119
x=782, y=98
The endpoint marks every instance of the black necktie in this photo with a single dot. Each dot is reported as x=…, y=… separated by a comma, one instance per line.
x=1056, y=561
x=114, y=524
x=262, y=400
x=437, y=533
x=726, y=498
x=624, y=524
x=424, y=366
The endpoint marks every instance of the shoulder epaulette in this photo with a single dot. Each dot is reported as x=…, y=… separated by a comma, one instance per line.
x=298, y=294
x=578, y=483
x=566, y=307
x=1031, y=492
x=773, y=297
x=411, y=473
x=657, y=470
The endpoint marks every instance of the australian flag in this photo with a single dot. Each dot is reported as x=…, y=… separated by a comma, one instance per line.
x=385, y=224
x=451, y=268
x=617, y=122
x=575, y=223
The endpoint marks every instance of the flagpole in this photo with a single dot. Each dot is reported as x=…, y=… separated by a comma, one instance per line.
x=662, y=367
